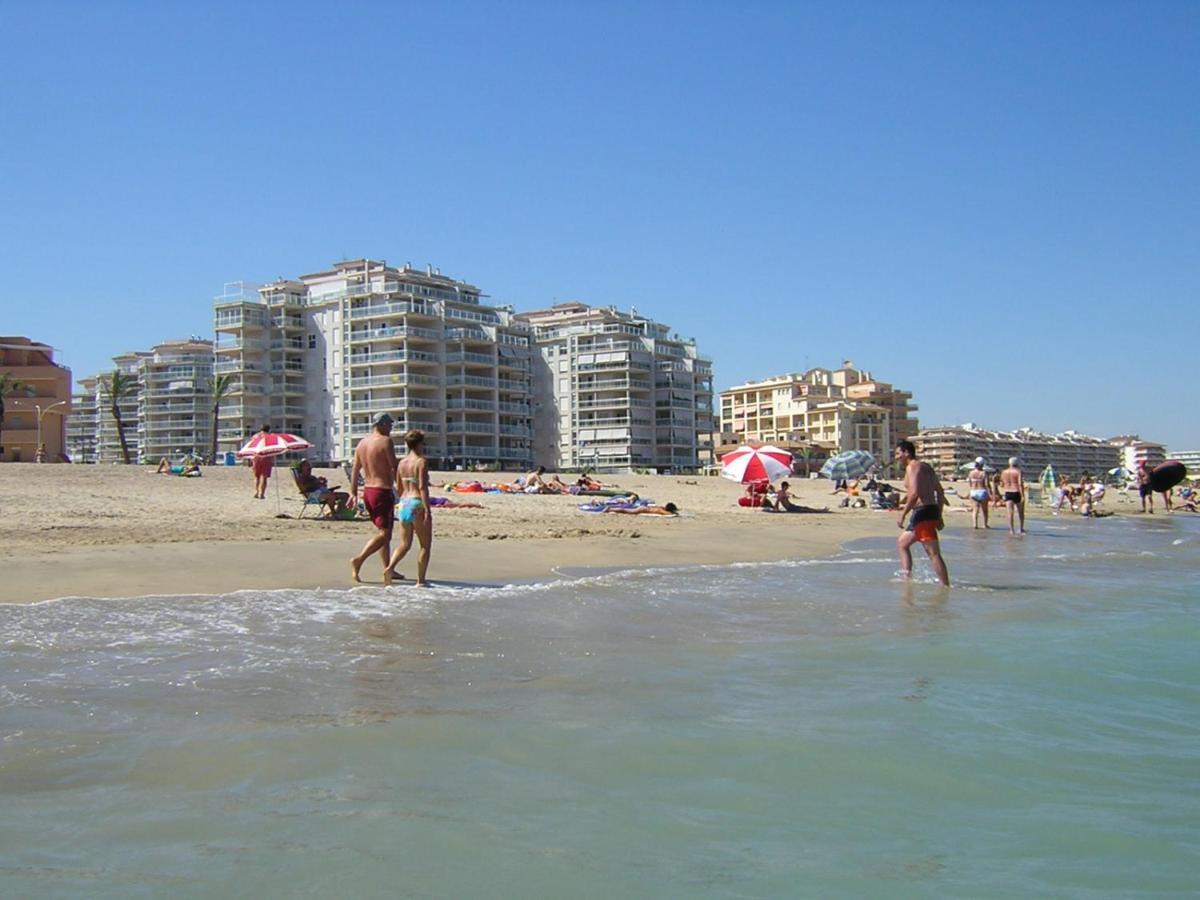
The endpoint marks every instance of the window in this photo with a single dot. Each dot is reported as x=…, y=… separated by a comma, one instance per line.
x=312, y=342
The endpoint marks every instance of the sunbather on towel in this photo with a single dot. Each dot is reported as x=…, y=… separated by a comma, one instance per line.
x=668, y=509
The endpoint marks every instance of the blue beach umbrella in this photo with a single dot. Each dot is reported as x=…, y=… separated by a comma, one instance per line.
x=851, y=464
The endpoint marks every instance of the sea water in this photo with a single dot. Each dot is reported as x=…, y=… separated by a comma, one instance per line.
x=806, y=728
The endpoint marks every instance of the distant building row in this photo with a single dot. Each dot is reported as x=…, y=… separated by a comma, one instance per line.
x=569, y=386
x=953, y=449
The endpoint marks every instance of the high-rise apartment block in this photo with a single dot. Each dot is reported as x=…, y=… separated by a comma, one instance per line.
x=322, y=355
x=175, y=399
x=108, y=437
x=1136, y=452
x=166, y=412
x=615, y=390
x=836, y=409
x=83, y=423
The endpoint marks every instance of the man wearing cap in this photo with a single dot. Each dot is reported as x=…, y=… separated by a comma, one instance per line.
x=375, y=462
x=980, y=497
x=1012, y=482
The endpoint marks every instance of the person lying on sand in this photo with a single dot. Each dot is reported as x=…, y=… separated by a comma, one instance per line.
x=668, y=509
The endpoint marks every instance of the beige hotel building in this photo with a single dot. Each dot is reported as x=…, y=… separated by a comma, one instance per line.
x=835, y=409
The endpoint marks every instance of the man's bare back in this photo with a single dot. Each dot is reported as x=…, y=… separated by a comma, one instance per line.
x=1011, y=480
x=375, y=460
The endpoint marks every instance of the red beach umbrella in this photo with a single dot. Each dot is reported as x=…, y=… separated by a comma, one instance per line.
x=765, y=463
x=272, y=443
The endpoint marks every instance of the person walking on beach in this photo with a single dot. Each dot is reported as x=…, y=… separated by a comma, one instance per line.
x=375, y=461
x=977, y=481
x=1145, y=491
x=1012, y=482
x=925, y=500
x=262, y=471
x=416, y=512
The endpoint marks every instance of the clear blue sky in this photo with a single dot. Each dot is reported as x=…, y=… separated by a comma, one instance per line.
x=995, y=206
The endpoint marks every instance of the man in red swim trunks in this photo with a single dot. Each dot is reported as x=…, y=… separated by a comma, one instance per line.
x=262, y=471
x=924, y=500
x=375, y=461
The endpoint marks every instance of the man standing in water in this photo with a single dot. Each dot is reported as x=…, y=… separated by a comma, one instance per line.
x=1012, y=482
x=981, y=498
x=375, y=461
x=1143, y=482
x=924, y=500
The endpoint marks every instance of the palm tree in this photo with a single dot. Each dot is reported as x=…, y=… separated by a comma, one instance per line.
x=8, y=385
x=114, y=388
x=219, y=386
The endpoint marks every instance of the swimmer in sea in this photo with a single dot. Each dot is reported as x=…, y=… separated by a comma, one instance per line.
x=415, y=516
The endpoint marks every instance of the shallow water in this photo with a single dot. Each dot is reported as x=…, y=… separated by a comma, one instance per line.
x=805, y=728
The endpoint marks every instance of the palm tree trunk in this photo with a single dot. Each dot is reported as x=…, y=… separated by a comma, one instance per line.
x=116, y=413
x=216, y=414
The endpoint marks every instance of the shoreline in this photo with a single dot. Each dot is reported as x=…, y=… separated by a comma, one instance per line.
x=116, y=532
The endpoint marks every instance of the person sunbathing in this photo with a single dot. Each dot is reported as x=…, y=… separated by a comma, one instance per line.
x=188, y=467
x=308, y=483
x=447, y=503
x=783, y=502
x=589, y=484
x=667, y=509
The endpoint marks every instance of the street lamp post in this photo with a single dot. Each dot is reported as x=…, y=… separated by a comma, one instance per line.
x=42, y=412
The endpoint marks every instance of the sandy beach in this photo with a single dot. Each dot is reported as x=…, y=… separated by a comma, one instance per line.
x=119, y=531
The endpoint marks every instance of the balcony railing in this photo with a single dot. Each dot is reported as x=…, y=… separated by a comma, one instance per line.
x=396, y=378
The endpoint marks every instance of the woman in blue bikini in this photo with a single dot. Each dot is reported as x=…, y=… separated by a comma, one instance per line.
x=414, y=514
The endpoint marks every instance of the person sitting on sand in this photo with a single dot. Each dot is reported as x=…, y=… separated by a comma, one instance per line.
x=783, y=502
x=308, y=483
x=667, y=509
x=536, y=484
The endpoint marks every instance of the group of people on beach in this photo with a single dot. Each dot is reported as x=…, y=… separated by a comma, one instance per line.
x=381, y=476
x=1008, y=487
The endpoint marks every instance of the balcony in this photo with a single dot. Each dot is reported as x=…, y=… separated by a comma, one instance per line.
x=470, y=428
x=395, y=378
x=470, y=380
x=237, y=365
x=466, y=403
x=394, y=308
x=399, y=331
x=485, y=359
x=366, y=359
x=507, y=384
x=468, y=334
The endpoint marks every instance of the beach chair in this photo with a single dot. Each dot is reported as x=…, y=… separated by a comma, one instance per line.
x=310, y=498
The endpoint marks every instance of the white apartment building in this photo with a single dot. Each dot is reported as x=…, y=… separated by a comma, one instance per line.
x=168, y=412
x=83, y=423
x=175, y=400
x=616, y=391
x=1135, y=451
x=321, y=355
x=108, y=442
x=950, y=449
x=1191, y=459
x=835, y=409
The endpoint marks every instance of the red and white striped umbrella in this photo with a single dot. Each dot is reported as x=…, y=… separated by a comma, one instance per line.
x=765, y=463
x=272, y=443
